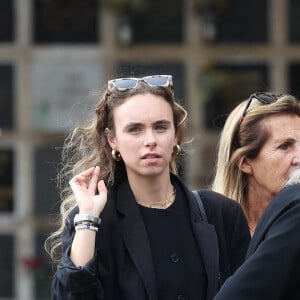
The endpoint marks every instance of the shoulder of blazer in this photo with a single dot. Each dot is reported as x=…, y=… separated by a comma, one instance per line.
x=200, y=206
x=214, y=199
x=218, y=207
x=287, y=199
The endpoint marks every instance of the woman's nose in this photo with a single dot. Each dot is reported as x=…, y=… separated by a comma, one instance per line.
x=150, y=140
x=296, y=160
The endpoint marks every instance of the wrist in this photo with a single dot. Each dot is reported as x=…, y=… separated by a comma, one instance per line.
x=88, y=226
x=86, y=218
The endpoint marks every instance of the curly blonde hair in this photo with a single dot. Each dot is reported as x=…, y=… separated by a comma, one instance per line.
x=87, y=146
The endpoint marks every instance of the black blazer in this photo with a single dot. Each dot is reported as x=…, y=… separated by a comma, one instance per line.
x=272, y=266
x=123, y=249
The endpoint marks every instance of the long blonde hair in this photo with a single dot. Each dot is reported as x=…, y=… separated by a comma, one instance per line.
x=245, y=138
x=88, y=146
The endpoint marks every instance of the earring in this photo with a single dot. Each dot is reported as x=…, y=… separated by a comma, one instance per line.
x=116, y=155
x=177, y=150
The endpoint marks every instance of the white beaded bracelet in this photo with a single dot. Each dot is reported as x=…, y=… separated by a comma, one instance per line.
x=86, y=226
x=79, y=218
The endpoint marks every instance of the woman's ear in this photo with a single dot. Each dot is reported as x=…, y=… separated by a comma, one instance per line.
x=175, y=141
x=244, y=165
x=111, y=139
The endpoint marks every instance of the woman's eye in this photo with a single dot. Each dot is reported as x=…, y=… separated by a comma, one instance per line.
x=284, y=146
x=134, y=129
x=161, y=127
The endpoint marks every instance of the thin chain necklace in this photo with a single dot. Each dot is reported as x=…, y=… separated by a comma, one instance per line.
x=163, y=204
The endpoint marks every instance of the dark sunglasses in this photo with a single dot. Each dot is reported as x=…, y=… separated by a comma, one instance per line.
x=263, y=97
x=123, y=84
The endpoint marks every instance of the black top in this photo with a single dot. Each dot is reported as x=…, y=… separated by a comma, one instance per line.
x=177, y=260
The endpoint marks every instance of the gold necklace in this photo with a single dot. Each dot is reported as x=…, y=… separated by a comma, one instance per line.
x=163, y=204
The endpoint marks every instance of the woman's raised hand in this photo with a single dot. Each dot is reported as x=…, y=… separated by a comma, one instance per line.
x=91, y=195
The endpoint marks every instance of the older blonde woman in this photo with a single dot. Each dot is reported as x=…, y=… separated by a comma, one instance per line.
x=258, y=165
x=259, y=148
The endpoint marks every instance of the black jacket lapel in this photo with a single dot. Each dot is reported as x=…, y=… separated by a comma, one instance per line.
x=207, y=241
x=136, y=240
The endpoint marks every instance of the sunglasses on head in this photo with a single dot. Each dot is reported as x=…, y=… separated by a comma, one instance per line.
x=263, y=97
x=123, y=84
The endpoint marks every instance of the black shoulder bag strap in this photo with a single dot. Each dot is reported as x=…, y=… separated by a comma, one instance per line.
x=200, y=206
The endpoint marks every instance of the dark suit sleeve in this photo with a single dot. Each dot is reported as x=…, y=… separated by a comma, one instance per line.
x=75, y=283
x=267, y=271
